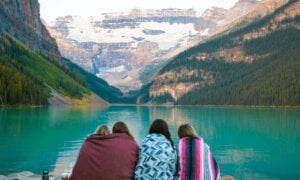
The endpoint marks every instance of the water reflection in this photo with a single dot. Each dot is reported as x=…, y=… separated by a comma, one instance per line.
x=30, y=139
x=65, y=161
x=246, y=141
x=239, y=156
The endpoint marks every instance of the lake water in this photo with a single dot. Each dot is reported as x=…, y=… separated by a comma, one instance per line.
x=248, y=143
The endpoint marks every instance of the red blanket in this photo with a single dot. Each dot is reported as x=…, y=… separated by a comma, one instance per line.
x=112, y=156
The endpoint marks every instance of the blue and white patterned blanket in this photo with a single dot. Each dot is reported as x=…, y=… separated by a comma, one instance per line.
x=157, y=158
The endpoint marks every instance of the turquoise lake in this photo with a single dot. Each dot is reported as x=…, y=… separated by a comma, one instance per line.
x=248, y=143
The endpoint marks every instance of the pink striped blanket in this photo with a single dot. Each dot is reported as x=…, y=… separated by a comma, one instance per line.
x=196, y=160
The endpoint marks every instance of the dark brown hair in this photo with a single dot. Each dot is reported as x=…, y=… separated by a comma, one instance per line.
x=161, y=127
x=120, y=127
x=186, y=130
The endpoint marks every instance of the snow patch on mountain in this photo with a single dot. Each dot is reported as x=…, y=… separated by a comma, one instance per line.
x=83, y=29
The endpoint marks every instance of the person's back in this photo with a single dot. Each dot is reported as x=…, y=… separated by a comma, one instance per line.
x=157, y=157
x=195, y=158
x=112, y=156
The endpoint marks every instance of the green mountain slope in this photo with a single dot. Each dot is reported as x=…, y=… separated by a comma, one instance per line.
x=255, y=65
x=98, y=85
x=27, y=78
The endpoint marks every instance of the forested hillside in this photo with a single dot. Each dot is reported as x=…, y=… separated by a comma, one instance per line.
x=258, y=64
x=27, y=77
x=32, y=71
x=97, y=85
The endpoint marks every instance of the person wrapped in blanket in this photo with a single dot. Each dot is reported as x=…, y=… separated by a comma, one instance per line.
x=107, y=156
x=195, y=160
x=157, y=156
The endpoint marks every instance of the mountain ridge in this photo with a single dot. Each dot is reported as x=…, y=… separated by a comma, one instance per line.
x=112, y=45
x=28, y=83
x=221, y=70
x=21, y=20
x=31, y=69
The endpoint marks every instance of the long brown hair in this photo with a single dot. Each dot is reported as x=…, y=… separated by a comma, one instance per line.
x=161, y=127
x=120, y=127
x=186, y=130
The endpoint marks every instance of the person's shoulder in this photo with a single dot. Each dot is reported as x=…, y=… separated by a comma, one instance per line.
x=98, y=136
x=124, y=137
x=156, y=137
x=190, y=139
x=152, y=138
x=108, y=137
x=163, y=141
x=92, y=137
x=200, y=139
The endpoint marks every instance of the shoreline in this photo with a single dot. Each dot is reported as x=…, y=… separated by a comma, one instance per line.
x=27, y=175
x=20, y=106
x=210, y=106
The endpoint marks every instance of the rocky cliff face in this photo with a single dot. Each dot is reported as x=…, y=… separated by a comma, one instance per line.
x=21, y=19
x=128, y=48
x=258, y=10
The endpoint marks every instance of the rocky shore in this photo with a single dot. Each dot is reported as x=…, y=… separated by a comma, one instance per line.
x=26, y=175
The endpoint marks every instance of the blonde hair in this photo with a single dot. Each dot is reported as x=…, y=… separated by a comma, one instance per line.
x=186, y=130
x=102, y=130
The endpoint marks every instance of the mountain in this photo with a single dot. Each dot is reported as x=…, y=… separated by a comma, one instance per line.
x=223, y=17
x=28, y=78
x=21, y=20
x=259, y=10
x=252, y=64
x=32, y=71
x=98, y=85
x=128, y=48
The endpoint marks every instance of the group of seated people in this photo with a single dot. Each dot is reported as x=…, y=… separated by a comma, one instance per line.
x=116, y=155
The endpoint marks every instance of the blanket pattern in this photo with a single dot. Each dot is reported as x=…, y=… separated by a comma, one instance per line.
x=157, y=158
x=196, y=160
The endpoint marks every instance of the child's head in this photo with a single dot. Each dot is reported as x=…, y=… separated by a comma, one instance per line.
x=102, y=130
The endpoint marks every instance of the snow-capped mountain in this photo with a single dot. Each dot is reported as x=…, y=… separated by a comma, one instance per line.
x=128, y=48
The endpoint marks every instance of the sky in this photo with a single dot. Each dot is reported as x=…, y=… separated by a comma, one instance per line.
x=50, y=9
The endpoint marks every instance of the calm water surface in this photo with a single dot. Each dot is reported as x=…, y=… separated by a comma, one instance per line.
x=248, y=143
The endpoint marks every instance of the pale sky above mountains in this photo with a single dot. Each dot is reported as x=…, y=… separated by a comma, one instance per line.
x=50, y=9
